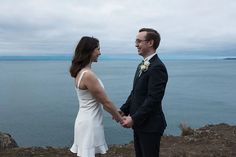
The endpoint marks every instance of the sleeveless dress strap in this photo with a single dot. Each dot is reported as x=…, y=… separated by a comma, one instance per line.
x=80, y=78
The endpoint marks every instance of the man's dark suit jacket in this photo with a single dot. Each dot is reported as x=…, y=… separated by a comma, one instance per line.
x=144, y=103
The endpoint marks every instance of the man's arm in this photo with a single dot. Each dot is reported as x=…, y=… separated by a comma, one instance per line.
x=156, y=89
x=125, y=107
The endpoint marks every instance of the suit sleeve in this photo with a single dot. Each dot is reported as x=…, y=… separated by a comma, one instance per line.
x=156, y=88
x=125, y=107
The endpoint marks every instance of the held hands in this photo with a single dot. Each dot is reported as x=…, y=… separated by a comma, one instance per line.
x=118, y=117
x=126, y=122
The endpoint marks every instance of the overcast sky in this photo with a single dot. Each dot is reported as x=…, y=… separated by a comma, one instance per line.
x=32, y=27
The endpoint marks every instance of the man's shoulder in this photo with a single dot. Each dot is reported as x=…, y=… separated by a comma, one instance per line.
x=157, y=64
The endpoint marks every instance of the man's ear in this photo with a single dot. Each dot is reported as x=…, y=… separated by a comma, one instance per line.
x=151, y=43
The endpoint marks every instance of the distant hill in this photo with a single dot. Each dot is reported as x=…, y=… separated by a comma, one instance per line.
x=230, y=58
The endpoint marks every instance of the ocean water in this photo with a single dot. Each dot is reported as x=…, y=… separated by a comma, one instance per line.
x=38, y=103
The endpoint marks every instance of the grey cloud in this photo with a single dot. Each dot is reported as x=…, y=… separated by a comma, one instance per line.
x=50, y=26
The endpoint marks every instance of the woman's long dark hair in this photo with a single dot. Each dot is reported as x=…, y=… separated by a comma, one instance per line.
x=83, y=54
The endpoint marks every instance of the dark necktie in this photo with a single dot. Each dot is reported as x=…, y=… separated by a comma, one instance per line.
x=138, y=70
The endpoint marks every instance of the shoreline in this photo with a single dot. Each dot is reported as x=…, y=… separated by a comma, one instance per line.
x=210, y=140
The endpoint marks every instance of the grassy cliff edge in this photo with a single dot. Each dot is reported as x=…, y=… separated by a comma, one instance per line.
x=217, y=140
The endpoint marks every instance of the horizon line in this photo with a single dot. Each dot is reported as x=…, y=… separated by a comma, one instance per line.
x=66, y=57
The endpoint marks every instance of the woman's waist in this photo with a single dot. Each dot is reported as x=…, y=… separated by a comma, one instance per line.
x=90, y=117
x=89, y=106
x=89, y=111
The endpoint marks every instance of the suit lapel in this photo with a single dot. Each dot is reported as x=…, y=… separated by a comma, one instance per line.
x=137, y=77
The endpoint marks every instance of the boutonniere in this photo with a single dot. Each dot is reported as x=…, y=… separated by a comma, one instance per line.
x=144, y=67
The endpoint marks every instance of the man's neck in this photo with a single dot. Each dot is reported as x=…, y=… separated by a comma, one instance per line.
x=149, y=55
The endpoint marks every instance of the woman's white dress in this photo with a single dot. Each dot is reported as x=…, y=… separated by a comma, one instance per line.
x=89, y=136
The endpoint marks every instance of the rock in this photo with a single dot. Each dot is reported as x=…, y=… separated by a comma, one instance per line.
x=218, y=140
x=6, y=141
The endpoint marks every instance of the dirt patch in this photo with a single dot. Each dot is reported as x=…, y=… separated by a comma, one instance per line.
x=209, y=141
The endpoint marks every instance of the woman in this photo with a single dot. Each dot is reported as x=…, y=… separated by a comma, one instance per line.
x=89, y=133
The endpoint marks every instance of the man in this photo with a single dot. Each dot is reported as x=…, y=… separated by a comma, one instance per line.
x=143, y=108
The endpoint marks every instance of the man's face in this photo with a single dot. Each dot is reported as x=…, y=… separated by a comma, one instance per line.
x=141, y=43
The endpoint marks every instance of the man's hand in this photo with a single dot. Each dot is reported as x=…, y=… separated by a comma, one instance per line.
x=127, y=122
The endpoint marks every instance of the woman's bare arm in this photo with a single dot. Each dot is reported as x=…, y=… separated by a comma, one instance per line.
x=91, y=82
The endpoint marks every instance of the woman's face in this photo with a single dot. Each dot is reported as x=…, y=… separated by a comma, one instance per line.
x=96, y=53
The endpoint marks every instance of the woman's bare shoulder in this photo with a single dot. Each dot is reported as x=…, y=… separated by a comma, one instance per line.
x=88, y=75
